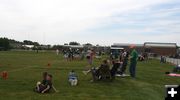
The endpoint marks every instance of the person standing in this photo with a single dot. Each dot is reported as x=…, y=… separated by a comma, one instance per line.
x=57, y=52
x=82, y=55
x=133, y=62
x=114, y=69
x=125, y=62
x=90, y=57
x=37, y=50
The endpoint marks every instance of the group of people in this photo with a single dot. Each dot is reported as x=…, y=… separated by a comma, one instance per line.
x=104, y=72
x=120, y=63
x=71, y=54
x=163, y=59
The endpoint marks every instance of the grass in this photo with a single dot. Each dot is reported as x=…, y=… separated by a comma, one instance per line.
x=25, y=69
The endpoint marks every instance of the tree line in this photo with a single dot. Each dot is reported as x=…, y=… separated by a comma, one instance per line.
x=7, y=44
x=4, y=44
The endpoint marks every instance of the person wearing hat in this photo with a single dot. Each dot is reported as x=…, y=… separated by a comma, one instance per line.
x=133, y=62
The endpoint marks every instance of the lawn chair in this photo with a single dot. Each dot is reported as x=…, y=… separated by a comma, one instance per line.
x=114, y=70
x=105, y=73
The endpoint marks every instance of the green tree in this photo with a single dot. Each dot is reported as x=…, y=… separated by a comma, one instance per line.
x=4, y=44
x=74, y=43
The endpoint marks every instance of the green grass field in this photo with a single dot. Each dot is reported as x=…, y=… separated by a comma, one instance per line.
x=25, y=69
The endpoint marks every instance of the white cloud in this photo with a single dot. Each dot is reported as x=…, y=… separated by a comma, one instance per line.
x=59, y=20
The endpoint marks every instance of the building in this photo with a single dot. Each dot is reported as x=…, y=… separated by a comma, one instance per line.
x=73, y=47
x=178, y=52
x=166, y=49
x=28, y=46
x=125, y=46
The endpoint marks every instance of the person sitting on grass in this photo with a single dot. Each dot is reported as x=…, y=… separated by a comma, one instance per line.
x=44, y=78
x=100, y=73
x=104, y=71
x=176, y=69
x=72, y=78
x=46, y=84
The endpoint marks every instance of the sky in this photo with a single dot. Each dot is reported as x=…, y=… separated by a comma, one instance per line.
x=102, y=22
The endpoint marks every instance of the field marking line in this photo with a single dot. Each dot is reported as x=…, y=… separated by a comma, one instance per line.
x=20, y=69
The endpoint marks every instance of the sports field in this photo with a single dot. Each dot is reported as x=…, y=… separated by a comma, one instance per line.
x=25, y=69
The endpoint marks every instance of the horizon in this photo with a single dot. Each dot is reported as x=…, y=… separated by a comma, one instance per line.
x=97, y=44
x=91, y=21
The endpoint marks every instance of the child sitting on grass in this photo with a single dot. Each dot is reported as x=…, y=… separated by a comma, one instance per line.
x=72, y=78
x=46, y=84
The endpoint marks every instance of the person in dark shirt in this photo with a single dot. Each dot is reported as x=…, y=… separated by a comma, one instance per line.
x=48, y=84
x=114, y=69
x=125, y=62
x=45, y=85
x=42, y=83
x=102, y=72
x=44, y=78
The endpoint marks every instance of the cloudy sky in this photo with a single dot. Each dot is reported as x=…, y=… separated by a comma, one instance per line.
x=101, y=22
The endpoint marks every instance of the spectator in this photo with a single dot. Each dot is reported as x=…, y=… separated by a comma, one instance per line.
x=125, y=62
x=45, y=86
x=57, y=51
x=102, y=72
x=176, y=69
x=133, y=62
x=90, y=57
x=114, y=69
x=82, y=55
x=163, y=59
x=72, y=78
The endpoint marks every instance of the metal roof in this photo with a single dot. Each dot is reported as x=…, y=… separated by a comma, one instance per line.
x=29, y=46
x=127, y=44
x=73, y=46
x=154, y=44
x=76, y=46
x=117, y=48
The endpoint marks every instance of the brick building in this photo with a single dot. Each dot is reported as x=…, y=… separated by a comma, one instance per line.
x=166, y=49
